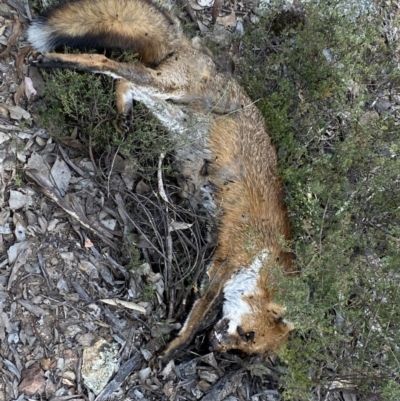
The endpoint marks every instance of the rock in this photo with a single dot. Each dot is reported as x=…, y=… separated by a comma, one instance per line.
x=33, y=381
x=369, y=117
x=382, y=105
x=99, y=364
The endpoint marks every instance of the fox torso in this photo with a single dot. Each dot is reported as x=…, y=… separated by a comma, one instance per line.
x=214, y=124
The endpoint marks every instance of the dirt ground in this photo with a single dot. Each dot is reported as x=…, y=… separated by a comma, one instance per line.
x=79, y=319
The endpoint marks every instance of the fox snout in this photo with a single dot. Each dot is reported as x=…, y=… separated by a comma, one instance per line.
x=221, y=340
x=257, y=336
x=219, y=336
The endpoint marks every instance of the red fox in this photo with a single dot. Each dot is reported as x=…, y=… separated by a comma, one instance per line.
x=215, y=125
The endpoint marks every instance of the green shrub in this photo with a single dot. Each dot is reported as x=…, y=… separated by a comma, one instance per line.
x=78, y=100
x=340, y=167
x=86, y=102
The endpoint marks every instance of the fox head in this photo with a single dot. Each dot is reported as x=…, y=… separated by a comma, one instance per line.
x=259, y=331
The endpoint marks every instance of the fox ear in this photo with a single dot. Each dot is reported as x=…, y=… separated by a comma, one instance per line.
x=275, y=313
x=285, y=326
x=275, y=316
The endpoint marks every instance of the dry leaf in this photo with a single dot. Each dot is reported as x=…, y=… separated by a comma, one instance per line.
x=12, y=368
x=205, y=3
x=88, y=243
x=142, y=188
x=34, y=309
x=19, y=92
x=168, y=369
x=195, y=6
x=30, y=91
x=12, y=40
x=4, y=112
x=216, y=10
x=229, y=20
x=125, y=304
x=61, y=175
x=19, y=200
x=176, y=225
x=71, y=142
x=20, y=61
x=161, y=189
x=16, y=112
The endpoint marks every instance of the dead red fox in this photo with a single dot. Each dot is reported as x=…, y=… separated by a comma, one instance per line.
x=214, y=124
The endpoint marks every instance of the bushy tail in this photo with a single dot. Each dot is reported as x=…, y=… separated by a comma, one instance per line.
x=139, y=26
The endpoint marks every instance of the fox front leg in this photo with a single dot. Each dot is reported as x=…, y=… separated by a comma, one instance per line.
x=196, y=316
x=188, y=331
x=124, y=103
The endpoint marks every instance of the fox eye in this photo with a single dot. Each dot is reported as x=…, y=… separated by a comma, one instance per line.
x=249, y=336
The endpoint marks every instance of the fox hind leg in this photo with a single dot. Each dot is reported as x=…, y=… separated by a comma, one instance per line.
x=136, y=73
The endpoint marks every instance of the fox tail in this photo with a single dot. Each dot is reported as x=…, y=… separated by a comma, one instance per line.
x=139, y=26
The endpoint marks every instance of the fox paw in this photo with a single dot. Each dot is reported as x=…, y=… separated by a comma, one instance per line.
x=124, y=122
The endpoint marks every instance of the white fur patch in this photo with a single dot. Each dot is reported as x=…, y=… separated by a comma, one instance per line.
x=187, y=131
x=39, y=37
x=243, y=283
x=108, y=73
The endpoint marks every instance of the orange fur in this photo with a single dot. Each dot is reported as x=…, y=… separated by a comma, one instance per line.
x=211, y=119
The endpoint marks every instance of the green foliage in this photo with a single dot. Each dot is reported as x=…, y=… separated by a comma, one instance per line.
x=43, y=5
x=86, y=101
x=18, y=179
x=79, y=100
x=148, y=293
x=132, y=253
x=340, y=163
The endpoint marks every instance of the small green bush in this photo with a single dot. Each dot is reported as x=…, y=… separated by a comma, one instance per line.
x=78, y=100
x=86, y=102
